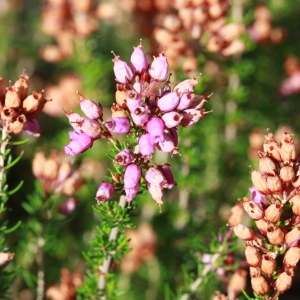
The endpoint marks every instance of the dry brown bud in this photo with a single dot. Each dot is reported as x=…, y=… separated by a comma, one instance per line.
x=253, y=210
x=274, y=184
x=51, y=168
x=273, y=212
x=260, y=285
x=236, y=214
x=5, y=257
x=17, y=126
x=238, y=281
x=262, y=226
x=71, y=185
x=2, y=90
x=292, y=256
x=287, y=174
x=120, y=97
x=296, y=204
x=292, y=237
x=254, y=271
x=33, y=105
x=271, y=147
x=253, y=256
x=38, y=164
x=243, y=232
x=266, y=164
x=275, y=235
x=8, y=114
x=22, y=85
x=284, y=281
x=259, y=181
x=117, y=111
x=219, y=296
x=64, y=171
x=268, y=264
x=288, y=149
x=12, y=99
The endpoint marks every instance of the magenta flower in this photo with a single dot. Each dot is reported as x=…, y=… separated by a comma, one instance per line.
x=258, y=197
x=105, y=192
x=91, y=127
x=67, y=206
x=168, y=102
x=32, y=127
x=185, y=101
x=172, y=119
x=159, y=68
x=139, y=60
x=167, y=172
x=91, y=109
x=75, y=120
x=122, y=71
x=146, y=147
x=190, y=117
x=168, y=144
x=78, y=144
x=118, y=125
x=140, y=115
x=133, y=100
x=124, y=157
x=132, y=176
x=132, y=192
x=155, y=127
x=185, y=86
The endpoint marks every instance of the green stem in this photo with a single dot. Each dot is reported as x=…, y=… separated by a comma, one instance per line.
x=4, y=142
x=104, y=268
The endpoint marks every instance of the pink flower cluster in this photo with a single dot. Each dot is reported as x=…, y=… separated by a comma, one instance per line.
x=146, y=108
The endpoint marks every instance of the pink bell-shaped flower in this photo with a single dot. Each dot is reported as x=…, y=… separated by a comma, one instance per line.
x=159, y=68
x=168, y=102
x=118, y=125
x=155, y=127
x=79, y=143
x=122, y=71
x=132, y=176
x=105, y=192
x=146, y=147
x=125, y=157
x=139, y=60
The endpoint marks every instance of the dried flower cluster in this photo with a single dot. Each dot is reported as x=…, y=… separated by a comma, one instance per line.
x=66, y=20
x=148, y=110
x=142, y=242
x=18, y=110
x=57, y=177
x=66, y=289
x=272, y=251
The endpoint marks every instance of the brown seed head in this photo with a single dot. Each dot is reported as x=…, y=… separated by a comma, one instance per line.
x=295, y=201
x=12, y=99
x=17, y=126
x=22, y=85
x=271, y=147
x=287, y=174
x=284, y=281
x=292, y=237
x=292, y=256
x=8, y=114
x=38, y=164
x=259, y=284
x=238, y=281
x=268, y=264
x=274, y=184
x=243, y=232
x=259, y=181
x=266, y=164
x=288, y=149
x=262, y=225
x=2, y=90
x=236, y=214
x=253, y=256
x=253, y=210
x=273, y=212
x=275, y=235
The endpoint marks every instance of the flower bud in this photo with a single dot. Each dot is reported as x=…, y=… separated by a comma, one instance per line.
x=64, y=171
x=184, y=101
x=139, y=60
x=267, y=165
x=236, y=214
x=243, y=232
x=67, y=206
x=253, y=256
x=32, y=127
x=169, y=143
x=273, y=212
x=288, y=149
x=260, y=285
x=291, y=256
x=167, y=172
x=191, y=116
x=274, y=184
x=287, y=174
x=91, y=127
x=12, y=99
x=262, y=226
x=185, y=86
x=22, y=86
x=155, y=127
x=132, y=176
x=238, y=281
x=75, y=120
x=105, y=192
x=172, y=119
x=118, y=125
x=120, y=96
x=156, y=192
x=159, y=68
x=91, y=109
x=133, y=100
x=156, y=177
x=140, y=115
x=268, y=264
x=132, y=192
x=292, y=237
x=271, y=147
x=284, y=281
x=295, y=201
x=79, y=144
x=275, y=235
x=146, y=147
x=117, y=111
x=122, y=71
x=168, y=102
x=253, y=210
x=259, y=181
x=125, y=157
x=33, y=103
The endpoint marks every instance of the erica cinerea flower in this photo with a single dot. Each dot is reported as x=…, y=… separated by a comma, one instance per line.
x=149, y=113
